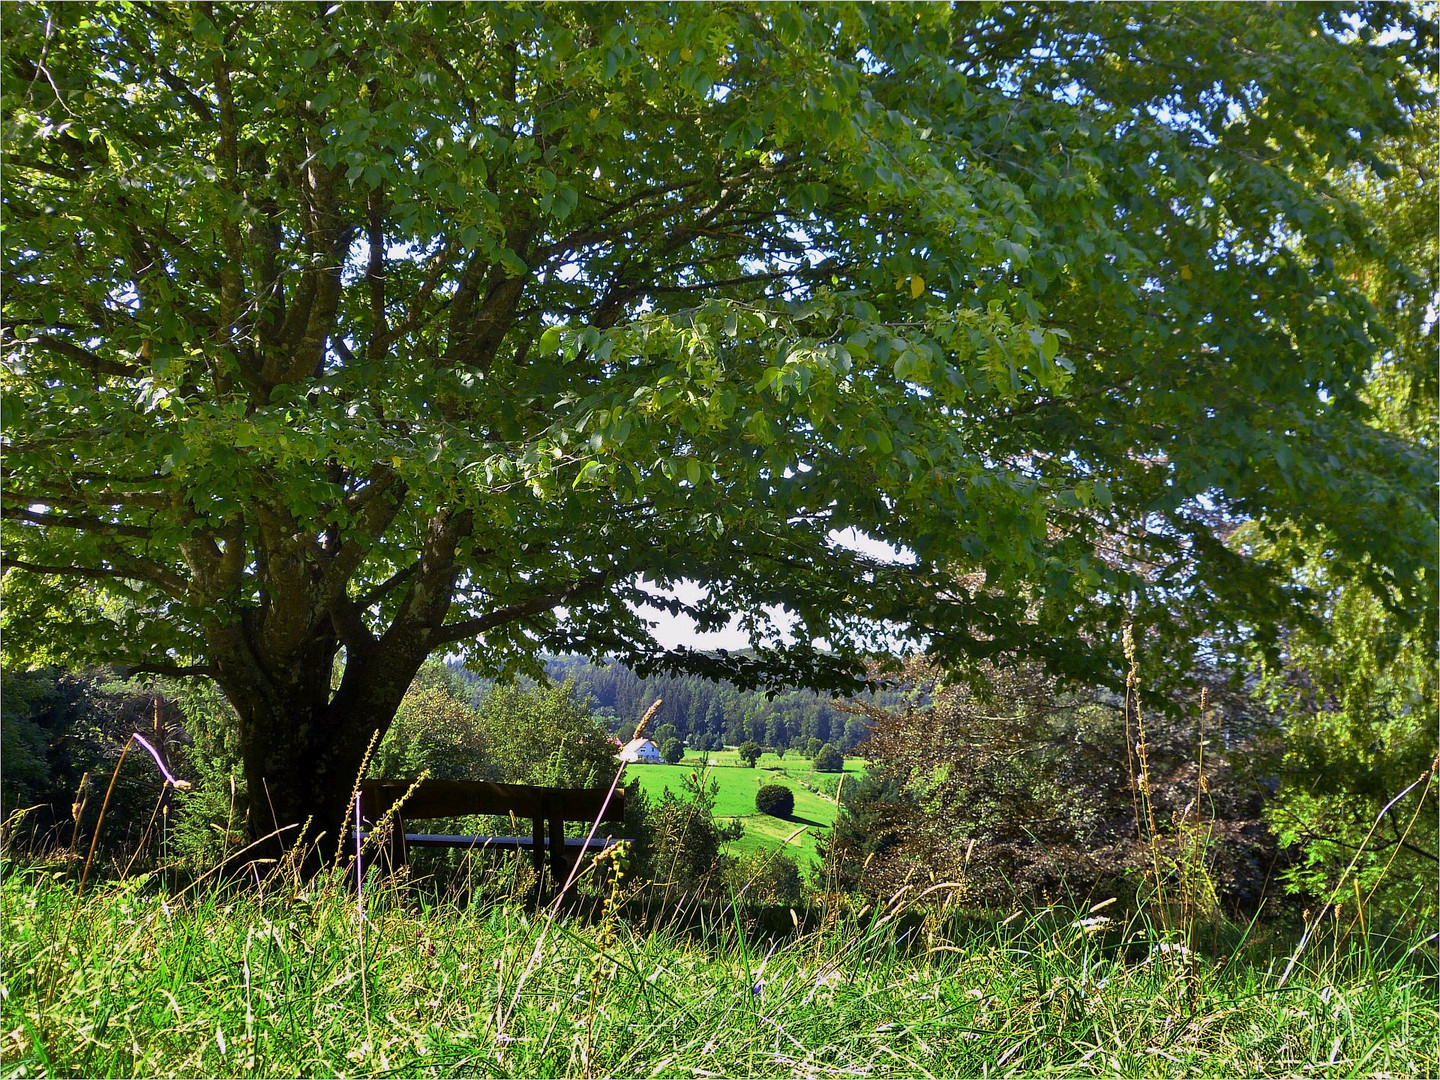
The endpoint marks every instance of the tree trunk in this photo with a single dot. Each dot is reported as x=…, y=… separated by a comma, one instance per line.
x=300, y=770
x=303, y=746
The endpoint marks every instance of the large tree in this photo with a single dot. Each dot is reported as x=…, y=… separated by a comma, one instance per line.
x=1356, y=692
x=376, y=330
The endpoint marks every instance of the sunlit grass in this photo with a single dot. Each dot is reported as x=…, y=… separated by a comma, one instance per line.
x=129, y=981
x=735, y=800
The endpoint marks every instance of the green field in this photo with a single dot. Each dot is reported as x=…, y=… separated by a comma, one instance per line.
x=814, y=798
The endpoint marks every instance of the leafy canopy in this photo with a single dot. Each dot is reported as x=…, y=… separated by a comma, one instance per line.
x=1357, y=693
x=400, y=326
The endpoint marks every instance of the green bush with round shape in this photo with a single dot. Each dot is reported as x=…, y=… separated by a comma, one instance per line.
x=777, y=800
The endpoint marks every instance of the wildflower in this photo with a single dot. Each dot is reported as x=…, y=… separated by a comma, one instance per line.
x=1166, y=948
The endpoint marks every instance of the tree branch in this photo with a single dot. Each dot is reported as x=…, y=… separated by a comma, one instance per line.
x=93, y=572
x=231, y=286
x=379, y=592
x=525, y=609
x=415, y=316
x=375, y=508
x=160, y=667
x=97, y=365
x=83, y=522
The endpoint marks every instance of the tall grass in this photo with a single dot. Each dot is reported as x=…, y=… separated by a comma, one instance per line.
x=338, y=975
x=132, y=980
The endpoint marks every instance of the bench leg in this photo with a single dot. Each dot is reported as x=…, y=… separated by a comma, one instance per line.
x=559, y=871
x=397, y=853
x=537, y=856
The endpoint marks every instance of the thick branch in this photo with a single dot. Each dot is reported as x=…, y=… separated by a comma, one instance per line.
x=525, y=609
x=375, y=508
x=75, y=498
x=348, y=619
x=433, y=585
x=375, y=234
x=168, y=581
x=179, y=671
x=84, y=522
x=97, y=365
x=231, y=290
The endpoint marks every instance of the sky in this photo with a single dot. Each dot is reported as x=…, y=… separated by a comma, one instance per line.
x=673, y=631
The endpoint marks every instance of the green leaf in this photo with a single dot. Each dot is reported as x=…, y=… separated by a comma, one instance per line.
x=549, y=341
x=590, y=471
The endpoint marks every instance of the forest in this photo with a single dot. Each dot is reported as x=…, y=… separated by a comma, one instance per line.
x=707, y=714
x=1039, y=401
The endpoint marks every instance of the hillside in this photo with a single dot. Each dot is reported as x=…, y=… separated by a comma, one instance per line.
x=798, y=836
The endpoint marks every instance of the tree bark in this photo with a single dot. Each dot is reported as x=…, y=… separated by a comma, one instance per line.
x=302, y=747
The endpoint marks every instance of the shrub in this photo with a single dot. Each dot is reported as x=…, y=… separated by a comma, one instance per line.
x=545, y=735
x=766, y=877
x=678, y=840
x=777, y=800
x=828, y=759
x=436, y=731
x=1023, y=789
x=672, y=751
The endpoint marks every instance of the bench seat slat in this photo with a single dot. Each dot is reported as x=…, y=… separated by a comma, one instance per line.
x=502, y=843
x=457, y=798
x=577, y=843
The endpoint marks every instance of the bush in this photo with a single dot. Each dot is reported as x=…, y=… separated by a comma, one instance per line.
x=1022, y=789
x=672, y=751
x=828, y=759
x=435, y=730
x=677, y=839
x=766, y=877
x=545, y=735
x=777, y=800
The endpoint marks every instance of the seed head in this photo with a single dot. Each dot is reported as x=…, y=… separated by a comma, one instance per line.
x=645, y=720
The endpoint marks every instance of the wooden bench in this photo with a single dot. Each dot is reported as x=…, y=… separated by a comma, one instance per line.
x=548, y=809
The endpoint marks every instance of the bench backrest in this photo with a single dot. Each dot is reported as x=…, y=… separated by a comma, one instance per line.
x=456, y=798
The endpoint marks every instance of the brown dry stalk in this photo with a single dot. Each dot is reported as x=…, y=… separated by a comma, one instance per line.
x=355, y=793
x=645, y=720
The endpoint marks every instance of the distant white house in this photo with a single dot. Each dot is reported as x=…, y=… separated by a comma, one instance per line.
x=642, y=752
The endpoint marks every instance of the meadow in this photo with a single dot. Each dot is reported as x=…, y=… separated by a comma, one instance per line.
x=798, y=836
x=296, y=979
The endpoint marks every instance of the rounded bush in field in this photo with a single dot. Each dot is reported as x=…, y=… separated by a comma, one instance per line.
x=777, y=800
x=829, y=759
